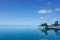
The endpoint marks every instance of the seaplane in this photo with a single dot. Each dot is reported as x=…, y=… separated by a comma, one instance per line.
x=45, y=28
x=54, y=26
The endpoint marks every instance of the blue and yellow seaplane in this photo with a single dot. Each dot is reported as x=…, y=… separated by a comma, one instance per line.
x=45, y=28
x=54, y=26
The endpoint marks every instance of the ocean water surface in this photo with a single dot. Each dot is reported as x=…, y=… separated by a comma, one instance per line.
x=27, y=33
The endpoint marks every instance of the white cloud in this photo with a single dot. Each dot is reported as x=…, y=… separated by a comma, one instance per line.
x=57, y=9
x=44, y=11
x=54, y=19
x=49, y=3
x=42, y=18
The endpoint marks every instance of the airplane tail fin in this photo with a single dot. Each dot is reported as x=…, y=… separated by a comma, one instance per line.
x=56, y=23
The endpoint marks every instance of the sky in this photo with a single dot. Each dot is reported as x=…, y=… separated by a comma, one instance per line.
x=29, y=12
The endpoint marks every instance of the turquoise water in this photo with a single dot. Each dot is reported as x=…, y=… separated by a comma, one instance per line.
x=26, y=33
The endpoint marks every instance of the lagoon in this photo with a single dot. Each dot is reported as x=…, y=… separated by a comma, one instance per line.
x=23, y=32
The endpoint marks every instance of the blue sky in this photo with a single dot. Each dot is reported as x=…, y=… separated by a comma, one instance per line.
x=29, y=12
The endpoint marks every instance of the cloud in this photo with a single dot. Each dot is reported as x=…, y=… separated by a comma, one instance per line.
x=57, y=9
x=42, y=18
x=44, y=11
x=48, y=3
x=54, y=19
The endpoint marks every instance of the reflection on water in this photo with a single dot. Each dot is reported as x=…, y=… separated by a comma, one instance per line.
x=45, y=30
x=57, y=32
x=49, y=34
